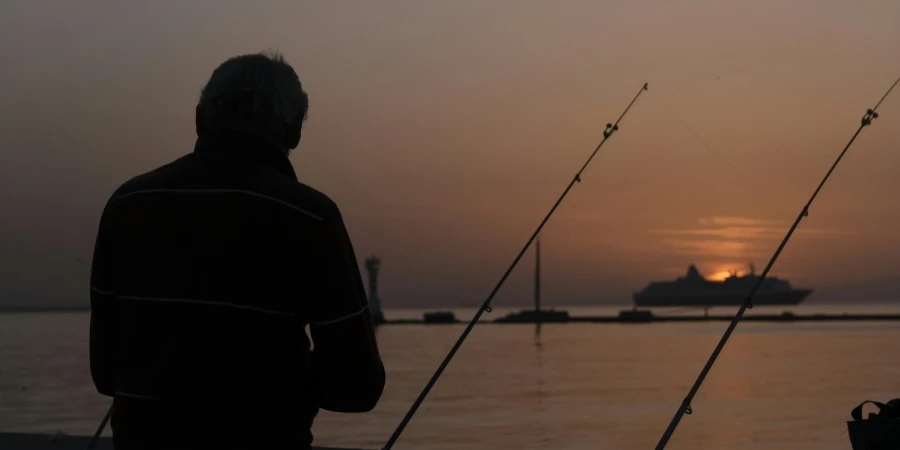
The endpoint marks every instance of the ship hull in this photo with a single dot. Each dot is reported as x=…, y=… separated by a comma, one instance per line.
x=793, y=297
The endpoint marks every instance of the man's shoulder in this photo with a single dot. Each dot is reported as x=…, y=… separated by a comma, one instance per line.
x=163, y=177
x=188, y=173
x=306, y=197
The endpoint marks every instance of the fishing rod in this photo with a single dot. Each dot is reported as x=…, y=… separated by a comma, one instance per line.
x=685, y=407
x=486, y=305
x=96, y=438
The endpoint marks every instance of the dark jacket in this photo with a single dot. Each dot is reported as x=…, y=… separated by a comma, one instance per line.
x=206, y=272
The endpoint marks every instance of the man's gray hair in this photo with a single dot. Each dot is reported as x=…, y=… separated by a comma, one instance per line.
x=257, y=93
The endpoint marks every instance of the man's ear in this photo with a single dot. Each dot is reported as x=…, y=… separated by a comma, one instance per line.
x=292, y=135
x=199, y=121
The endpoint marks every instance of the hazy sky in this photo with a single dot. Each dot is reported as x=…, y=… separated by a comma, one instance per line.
x=445, y=131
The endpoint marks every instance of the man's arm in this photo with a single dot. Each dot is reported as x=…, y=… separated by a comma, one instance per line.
x=345, y=362
x=103, y=335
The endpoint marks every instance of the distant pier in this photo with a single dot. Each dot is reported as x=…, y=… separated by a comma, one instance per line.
x=560, y=316
x=645, y=316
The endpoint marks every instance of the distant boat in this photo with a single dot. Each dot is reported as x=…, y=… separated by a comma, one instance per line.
x=695, y=290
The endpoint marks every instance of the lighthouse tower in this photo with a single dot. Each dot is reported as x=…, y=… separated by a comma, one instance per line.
x=372, y=264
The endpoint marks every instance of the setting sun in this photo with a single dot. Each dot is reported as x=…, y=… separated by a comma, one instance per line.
x=719, y=276
x=721, y=272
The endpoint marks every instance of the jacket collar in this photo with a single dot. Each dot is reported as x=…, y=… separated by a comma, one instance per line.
x=241, y=145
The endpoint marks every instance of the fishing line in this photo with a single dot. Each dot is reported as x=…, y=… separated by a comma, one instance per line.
x=694, y=132
x=486, y=305
x=685, y=407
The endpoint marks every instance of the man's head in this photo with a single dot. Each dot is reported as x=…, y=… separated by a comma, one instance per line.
x=259, y=94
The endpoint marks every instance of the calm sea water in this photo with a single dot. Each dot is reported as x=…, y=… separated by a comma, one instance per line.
x=583, y=386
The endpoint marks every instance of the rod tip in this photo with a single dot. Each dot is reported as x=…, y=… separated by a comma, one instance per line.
x=645, y=86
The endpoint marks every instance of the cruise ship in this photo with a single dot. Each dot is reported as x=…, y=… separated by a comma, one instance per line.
x=694, y=290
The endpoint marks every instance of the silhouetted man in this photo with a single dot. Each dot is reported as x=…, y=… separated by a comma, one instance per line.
x=206, y=272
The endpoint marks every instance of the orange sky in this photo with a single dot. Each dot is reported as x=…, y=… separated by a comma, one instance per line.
x=445, y=131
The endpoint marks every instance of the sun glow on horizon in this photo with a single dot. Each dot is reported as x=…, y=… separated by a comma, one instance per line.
x=718, y=276
x=721, y=273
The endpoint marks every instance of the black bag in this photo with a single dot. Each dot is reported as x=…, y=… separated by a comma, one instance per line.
x=879, y=431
